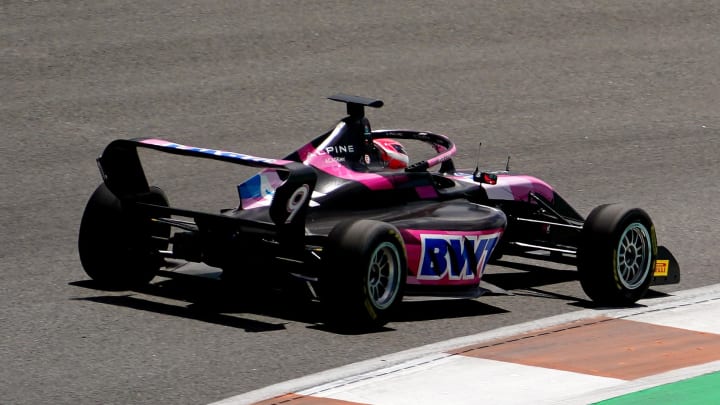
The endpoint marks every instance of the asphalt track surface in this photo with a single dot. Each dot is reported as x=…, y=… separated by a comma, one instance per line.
x=607, y=100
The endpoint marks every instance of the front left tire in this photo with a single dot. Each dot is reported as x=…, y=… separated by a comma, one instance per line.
x=617, y=254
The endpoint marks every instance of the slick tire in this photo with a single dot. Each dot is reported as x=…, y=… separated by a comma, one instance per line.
x=364, y=271
x=616, y=255
x=118, y=250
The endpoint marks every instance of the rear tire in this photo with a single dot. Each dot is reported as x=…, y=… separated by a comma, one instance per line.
x=364, y=271
x=616, y=255
x=117, y=249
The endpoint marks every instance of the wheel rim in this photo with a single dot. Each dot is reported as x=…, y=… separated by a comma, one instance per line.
x=383, y=280
x=634, y=254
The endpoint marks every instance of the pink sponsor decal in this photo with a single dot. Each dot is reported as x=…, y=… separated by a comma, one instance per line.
x=426, y=192
x=520, y=186
x=159, y=142
x=513, y=187
x=448, y=257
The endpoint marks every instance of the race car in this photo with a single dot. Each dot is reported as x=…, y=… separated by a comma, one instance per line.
x=361, y=226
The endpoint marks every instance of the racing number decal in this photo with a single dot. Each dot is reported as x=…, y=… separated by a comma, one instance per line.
x=296, y=201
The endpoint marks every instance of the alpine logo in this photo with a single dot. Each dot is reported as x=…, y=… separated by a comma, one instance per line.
x=454, y=257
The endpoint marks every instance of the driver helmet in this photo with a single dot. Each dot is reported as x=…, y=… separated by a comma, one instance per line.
x=392, y=153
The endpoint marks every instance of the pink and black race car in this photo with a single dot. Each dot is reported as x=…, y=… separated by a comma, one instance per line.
x=361, y=226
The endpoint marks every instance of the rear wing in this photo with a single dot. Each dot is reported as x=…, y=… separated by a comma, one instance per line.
x=123, y=174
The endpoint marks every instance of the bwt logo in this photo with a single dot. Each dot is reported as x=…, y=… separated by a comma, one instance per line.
x=455, y=257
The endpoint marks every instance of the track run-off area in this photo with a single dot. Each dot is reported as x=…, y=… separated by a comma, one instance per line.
x=664, y=351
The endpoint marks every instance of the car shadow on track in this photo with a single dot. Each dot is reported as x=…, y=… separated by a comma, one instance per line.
x=129, y=301
x=262, y=310
x=529, y=277
x=210, y=301
x=257, y=309
x=413, y=310
x=524, y=279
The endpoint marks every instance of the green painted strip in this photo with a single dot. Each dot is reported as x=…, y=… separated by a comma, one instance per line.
x=701, y=390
